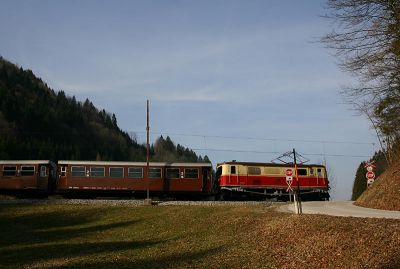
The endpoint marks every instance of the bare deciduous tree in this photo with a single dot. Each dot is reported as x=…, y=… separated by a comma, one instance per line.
x=366, y=38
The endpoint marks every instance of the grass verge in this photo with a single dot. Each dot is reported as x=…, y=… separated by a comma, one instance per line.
x=78, y=236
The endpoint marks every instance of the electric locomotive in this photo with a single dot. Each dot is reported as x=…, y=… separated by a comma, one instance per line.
x=246, y=179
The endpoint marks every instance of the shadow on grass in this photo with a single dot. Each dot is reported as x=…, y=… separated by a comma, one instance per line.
x=193, y=259
x=393, y=263
x=43, y=227
x=29, y=234
x=31, y=254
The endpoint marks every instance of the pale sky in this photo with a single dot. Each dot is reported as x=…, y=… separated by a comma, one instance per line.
x=235, y=80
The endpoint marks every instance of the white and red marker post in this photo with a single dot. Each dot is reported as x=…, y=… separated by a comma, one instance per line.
x=370, y=175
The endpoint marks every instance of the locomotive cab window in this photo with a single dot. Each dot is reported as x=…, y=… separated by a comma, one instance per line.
x=154, y=172
x=9, y=171
x=233, y=169
x=192, y=173
x=219, y=172
x=116, y=172
x=27, y=170
x=135, y=172
x=302, y=171
x=97, y=171
x=172, y=173
x=78, y=171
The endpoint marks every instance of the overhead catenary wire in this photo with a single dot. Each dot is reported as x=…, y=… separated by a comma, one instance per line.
x=218, y=137
x=259, y=138
x=275, y=152
x=207, y=148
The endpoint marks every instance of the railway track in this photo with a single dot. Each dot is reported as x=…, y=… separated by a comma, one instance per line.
x=131, y=202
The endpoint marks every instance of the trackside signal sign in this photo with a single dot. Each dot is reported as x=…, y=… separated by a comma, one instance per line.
x=289, y=179
x=370, y=175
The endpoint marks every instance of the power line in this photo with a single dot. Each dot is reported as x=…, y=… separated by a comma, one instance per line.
x=262, y=139
x=274, y=152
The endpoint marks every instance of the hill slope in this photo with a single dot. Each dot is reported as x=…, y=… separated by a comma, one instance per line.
x=38, y=123
x=385, y=192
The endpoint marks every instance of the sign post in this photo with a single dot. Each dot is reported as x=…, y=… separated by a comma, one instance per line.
x=289, y=181
x=370, y=175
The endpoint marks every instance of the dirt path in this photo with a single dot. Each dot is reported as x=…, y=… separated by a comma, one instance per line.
x=341, y=208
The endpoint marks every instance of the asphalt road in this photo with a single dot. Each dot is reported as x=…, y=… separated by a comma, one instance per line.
x=341, y=208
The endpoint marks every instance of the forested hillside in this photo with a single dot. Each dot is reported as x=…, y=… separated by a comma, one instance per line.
x=38, y=123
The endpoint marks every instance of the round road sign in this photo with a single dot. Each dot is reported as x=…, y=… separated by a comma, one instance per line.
x=289, y=172
x=370, y=175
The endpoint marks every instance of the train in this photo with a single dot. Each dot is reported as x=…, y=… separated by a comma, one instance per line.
x=230, y=181
x=248, y=179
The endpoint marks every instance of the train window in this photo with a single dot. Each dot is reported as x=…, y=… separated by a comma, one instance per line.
x=311, y=171
x=272, y=170
x=172, y=173
x=97, y=171
x=43, y=171
x=233, y=169
x=63, y=171
x=116, y=172
x=192, y=173
x=302, y=171
x=78, y=171
x=135, y=172
x=254, y=170
x=319, y=172
x=9, y=171
x=154, y=172
x=27, y=170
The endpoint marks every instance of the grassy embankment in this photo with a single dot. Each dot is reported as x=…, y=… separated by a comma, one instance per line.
x=72, y=236
x=385, y=192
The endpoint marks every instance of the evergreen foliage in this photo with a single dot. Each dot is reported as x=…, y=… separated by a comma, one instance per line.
x=38, y=123
x=166, y=150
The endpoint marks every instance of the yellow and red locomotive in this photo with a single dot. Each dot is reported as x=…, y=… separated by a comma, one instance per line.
x=244, y=179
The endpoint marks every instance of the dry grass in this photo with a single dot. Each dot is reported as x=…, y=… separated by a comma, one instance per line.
x=55, y=236
x=385, y=192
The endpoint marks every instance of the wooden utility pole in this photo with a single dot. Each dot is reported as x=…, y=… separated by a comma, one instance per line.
x=148, y=153
x=297, y=198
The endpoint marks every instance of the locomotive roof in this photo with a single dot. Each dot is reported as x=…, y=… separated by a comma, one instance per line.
x=24, y=161
x=135, y=163
x=270, y=164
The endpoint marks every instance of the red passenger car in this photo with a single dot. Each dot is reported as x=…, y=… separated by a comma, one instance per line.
x=27, y=176
x=269, y=179
x=131, y=177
